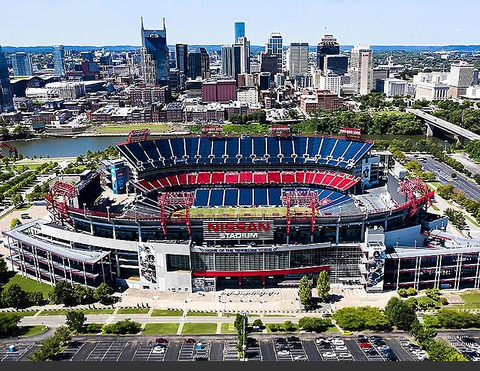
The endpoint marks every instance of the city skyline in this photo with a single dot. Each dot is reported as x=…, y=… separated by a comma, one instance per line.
x=372, y=22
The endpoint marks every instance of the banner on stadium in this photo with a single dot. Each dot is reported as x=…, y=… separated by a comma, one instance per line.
x=238, y=230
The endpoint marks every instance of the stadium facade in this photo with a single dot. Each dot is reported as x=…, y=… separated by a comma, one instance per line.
x=206, y=212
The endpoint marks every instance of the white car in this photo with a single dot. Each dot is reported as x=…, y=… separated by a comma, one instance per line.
x=329, y=355
x=344, y=355
x=300, y=358
x=158, y=349
x=338, y=342
x=283, y=352
x=341, y=348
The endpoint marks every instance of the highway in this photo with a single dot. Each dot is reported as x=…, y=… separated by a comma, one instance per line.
x=443, y=172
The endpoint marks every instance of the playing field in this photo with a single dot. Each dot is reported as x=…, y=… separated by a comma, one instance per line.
x=247, y=212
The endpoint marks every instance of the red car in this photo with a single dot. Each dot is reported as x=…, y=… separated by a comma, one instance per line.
x=161, y=341
x=188, y=340
x=365, y=345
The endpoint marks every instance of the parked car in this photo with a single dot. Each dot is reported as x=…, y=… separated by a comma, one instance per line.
x=293, y=338
x=300, y=358
x=161, y=341
x=283, y=352
x=158, y=349
x=347, y=333
x=365, y=345
x=329, y=355
x=362, y=338
x=189, y=340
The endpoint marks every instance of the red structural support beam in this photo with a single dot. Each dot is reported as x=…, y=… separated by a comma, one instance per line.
x=175, y=201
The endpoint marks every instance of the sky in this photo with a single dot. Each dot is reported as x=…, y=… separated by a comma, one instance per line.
x=117, y=22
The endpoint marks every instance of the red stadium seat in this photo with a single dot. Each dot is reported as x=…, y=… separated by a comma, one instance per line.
x=173, y=180
x=232, y=178
x=246, y=177
x=182, y=179
x=309, y=177
x=164, y=183
x=259, y=177
x=273, y=177
x=192, y=178
x=288, y=177
x=218, y=177
x=203, y=177
x=300, y=177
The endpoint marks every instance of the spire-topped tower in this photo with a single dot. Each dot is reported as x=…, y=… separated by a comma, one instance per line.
x=141, y=22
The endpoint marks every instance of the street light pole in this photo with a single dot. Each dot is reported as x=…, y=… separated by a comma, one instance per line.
x=245, y=314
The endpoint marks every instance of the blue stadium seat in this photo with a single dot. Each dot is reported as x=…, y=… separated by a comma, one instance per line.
x=231, y=197
x=216, y=197
x=259, y=146
x=274, y=196
x=286, y=148
x=260, y=196
x=272, y=146
x=177, y=147
x=191, y=148
x=245, y=198
x=246, y=149
x=232, y=150
x=201, y=197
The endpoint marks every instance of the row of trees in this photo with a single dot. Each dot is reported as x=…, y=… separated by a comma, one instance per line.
x=305, y=294
x=259, y=116
x=64, y=293
x=449, y=192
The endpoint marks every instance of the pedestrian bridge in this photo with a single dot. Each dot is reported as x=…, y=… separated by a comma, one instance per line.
x=436, y=123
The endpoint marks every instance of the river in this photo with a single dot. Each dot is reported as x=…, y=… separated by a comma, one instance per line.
x=72, y=147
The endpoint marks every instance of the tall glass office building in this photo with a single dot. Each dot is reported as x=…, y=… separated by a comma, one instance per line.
x=21, y=64
x=6, y=96
x=155, y=56
x=59, y=60
x=239, y=30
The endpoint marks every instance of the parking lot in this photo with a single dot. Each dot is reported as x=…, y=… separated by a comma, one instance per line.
x=283, y=347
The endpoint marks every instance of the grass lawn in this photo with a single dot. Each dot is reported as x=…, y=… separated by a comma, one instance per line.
x=471, y=220
x=257, y=212
x=27, y=313
x=471, y=299
x=28, y=284
x=32, y=330
x=331, y=329
x=160, y=329
x=59, y=312
x=121, y=129
x=23, y=208
x=199, y=328
x=165, y=312
x=228, y=328
x=194, y=313
x=133, y=311
x=435, y=207
x=436, y=184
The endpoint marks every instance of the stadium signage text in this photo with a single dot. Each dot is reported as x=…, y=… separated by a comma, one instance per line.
x=238, y=230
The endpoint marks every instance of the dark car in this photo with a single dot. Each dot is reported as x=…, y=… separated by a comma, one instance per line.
x=293, y=338
x=391, y=357
x=295, y=345
x=280, y=340
x=378, y=342
x=324, y=345
x=161, y=341
x=362, y=338
x=371, y=351
x=189, y=340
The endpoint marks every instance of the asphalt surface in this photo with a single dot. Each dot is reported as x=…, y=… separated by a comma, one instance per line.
x=265, y=347
x=443, y=173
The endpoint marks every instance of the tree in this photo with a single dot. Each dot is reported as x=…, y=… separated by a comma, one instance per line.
x=400, y=314
x=15, y=222
x=3, y=270
x=314, y=324
x=52, y=346
x=423, y=334
x=83, y=295
x=62, y=294
x=14, y=296
x=239, y=323
x=103, y=294
x=126, y=326
x=323, y=285
x=9, y=324
x=75, y=320
x=305, y=292
x=17, y=199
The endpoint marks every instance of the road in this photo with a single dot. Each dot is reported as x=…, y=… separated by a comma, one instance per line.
x=443, y=173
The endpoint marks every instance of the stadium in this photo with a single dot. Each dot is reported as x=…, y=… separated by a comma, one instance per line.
x=212, y=211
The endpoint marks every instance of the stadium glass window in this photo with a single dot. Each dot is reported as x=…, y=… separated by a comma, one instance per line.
x=178, y=263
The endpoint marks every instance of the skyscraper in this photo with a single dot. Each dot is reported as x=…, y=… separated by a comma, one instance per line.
x=297, y=59
x=244, y=54
x=22, y=65
x=59, y=60
x=361, y=69
x=6, y=96
x=239, y=30
x=227, y=60
x=155, y=56
x=328, y=45
x=199, y=64
x=181, y=57
x=274, y=45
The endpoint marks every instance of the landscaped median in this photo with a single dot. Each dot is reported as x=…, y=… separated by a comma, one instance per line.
x=63, y=312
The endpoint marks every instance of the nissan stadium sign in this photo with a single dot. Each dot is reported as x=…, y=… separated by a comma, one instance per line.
x=238, y=230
